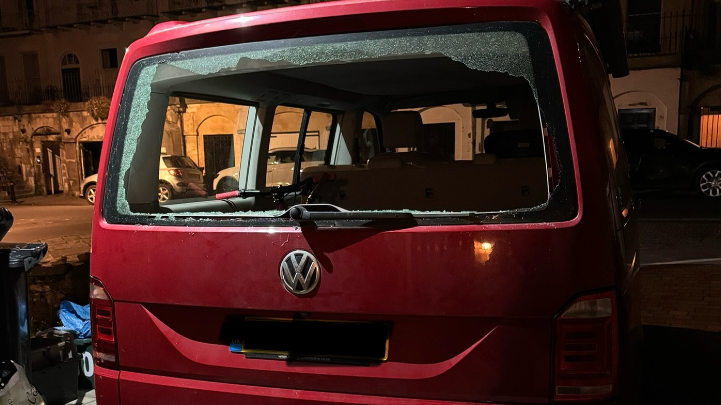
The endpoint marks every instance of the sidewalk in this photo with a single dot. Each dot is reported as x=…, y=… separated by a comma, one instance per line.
x=54, y=220
x=682, y=296
x=67, y=249
x=679, y=241
x=45, y=200
x=679, y=229
x=678, y=207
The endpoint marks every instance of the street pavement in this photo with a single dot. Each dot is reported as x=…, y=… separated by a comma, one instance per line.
x=63, y=222
x=679, y=229
x=684, y=207
x=676, y=242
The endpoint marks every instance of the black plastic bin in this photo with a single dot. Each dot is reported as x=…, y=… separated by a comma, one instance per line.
x=16, y=259
x=86, y=377
x=55, y=363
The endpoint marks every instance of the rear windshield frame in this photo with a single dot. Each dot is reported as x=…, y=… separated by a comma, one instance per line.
x=562, y=204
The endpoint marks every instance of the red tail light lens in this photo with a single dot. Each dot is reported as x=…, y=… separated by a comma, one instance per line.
x=586, y=364
x=102, y=319
x=175, y=172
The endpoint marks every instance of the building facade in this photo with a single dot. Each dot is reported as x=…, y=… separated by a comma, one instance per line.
x=59, y=61
x=674, y=50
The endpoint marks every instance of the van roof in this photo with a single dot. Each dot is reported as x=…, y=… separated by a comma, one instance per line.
x=329, y=9
x=606, y=21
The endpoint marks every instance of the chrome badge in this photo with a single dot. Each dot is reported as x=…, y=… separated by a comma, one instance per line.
x=299, y=272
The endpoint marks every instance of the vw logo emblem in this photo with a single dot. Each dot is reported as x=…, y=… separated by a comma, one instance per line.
x=299, y=272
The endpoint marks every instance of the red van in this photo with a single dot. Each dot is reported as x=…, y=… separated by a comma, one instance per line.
x=464, y=232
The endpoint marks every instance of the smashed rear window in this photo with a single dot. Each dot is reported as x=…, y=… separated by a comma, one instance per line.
x=444, y=124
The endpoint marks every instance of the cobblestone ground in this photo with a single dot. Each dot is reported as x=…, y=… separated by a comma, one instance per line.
x=682, y=296
x=70, y=249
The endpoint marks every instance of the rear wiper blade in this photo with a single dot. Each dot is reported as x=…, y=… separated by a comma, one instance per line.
x=316, y=212
x=307, y=187
x=469, y=216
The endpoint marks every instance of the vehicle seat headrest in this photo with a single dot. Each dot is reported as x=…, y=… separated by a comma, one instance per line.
x=523, y=108
x=514, y=144
x=402, y=129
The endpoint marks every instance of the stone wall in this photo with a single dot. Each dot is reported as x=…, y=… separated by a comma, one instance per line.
x=201, y=119
x=25, y=130
x=48, y=286
x=15, y=163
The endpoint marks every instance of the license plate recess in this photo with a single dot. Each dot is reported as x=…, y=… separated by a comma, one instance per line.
x=314, y=340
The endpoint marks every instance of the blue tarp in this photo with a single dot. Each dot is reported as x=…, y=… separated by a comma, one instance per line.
x=76, y=318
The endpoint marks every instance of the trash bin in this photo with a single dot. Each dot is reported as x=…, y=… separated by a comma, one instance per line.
x=55, y=363
x=76, y=318
x=86, y=378
x=16, y=259
x=6, y=221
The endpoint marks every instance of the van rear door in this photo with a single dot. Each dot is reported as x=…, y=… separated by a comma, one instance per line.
x=442, y=234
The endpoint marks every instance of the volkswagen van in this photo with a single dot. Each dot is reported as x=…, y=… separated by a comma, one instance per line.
x=467, y=234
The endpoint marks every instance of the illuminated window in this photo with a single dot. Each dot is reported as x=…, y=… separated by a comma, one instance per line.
x=710, y=129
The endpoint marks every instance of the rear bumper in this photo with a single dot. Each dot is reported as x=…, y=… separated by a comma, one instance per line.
x=139, y=388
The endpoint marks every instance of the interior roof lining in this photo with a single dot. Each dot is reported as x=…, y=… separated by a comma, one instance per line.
x=354, y=85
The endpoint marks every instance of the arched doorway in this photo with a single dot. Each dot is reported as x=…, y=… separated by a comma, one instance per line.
x=89, y=145
x=48, y=146
x=218, y=147
x=442, y=126
x=70, y=70
x=641, y=109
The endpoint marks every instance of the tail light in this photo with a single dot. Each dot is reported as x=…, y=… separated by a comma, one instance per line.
x=102, y=319
x=175, y=172
x=586, y=350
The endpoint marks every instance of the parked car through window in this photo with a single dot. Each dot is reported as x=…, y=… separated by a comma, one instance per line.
x=177, y=176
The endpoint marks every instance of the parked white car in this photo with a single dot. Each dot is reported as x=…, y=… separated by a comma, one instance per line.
x=178, y=175
x=87, y=189
x=279, y=171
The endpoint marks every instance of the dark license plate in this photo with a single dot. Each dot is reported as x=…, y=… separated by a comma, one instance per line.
x=314, y=340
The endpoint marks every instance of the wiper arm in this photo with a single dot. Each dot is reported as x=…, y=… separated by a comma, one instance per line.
x=278, y=192
x=314, y=212
x=469, y=216
x=307, y=187
x=308, y=213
